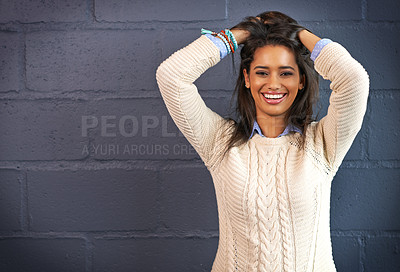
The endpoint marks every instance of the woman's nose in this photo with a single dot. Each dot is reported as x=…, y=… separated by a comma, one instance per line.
x=274, y=83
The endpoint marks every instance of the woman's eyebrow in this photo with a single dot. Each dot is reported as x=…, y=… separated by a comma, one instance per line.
x=280, y=67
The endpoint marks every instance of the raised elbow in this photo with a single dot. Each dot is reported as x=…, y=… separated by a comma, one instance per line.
x=160, y=72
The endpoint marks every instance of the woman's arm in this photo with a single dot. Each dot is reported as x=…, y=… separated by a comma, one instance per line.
x=175, y=76
x=348, y=100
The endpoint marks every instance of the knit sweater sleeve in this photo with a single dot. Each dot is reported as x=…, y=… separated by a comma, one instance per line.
x=175, y=77
x=347, y=103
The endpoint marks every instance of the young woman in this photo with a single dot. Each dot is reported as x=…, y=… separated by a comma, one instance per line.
x=272, y=168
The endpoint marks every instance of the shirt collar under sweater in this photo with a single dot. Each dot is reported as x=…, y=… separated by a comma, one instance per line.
x=289, y=128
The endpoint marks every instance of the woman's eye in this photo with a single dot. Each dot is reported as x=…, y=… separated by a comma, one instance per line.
x=287, y=74
x=262, y=73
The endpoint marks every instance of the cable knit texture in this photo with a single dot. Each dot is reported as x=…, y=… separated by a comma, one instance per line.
x=273, y=196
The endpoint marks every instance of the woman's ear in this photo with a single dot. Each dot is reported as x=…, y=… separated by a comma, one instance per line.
x=246, y=78
x=302, y=82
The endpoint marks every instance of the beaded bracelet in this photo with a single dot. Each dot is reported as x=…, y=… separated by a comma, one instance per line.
x=232, y=37
x=232, y=46
x=227, y=38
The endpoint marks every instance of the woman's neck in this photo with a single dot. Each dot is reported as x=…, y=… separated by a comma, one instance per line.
x=272, y=127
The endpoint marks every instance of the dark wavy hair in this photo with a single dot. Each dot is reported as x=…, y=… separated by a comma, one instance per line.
x=272, y=28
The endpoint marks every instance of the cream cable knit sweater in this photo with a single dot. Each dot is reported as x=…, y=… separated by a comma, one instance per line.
x=273, y=197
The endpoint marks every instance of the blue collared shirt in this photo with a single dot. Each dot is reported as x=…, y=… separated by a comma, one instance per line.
x=289, y=128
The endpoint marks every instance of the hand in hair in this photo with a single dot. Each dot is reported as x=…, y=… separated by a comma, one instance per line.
x=276, y=19
x=308, y=39
x=277, y=22
x=240, y=35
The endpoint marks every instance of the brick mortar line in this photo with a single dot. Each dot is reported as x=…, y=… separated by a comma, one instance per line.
x=21, y=61
x=109, y=235
x=372, y=164
x=89, y=236
x=101, y=165
x=366, y=132
x=383, y=93
x=362, y=253
x=83, y=98
x=366, y=233
x=171, y=234
x=91, y=9
x=157, y=164
x=25, y=221
x=169, y=25
x=104, y=26
x=100, y=95
x=89, y=253
x=364, y=9
x=158, y=201
x=43, y=235
x=227, y=9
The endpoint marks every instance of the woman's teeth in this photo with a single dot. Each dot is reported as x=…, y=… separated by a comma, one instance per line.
x=274, y=96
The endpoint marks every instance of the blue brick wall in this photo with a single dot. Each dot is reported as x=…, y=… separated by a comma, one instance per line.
x=95, y=176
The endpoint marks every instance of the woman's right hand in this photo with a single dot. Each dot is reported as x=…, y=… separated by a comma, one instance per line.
x=240, y=35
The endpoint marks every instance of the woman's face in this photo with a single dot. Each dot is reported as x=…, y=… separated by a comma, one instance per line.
x=274, y=80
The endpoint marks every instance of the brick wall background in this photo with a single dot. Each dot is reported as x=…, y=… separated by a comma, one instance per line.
x=94, y=175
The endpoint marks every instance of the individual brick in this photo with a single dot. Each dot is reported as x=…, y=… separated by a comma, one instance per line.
x=39, y=254
x=382, y=254
x=385, y=10
x=313, y=10
x=346, y=253
x=41, y=129
x=154, y=254
x=91, y=60
x=365, y=199
x=43, y=11
x=10, y=200
x=173, y=10
x=188, y=200
x=10, y=45
x=384, y=134
x=92, y=200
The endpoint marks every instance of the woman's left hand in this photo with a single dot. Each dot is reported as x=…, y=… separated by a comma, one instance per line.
x=308, y=39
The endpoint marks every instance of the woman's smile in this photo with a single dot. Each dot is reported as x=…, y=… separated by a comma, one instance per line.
x=274, y=98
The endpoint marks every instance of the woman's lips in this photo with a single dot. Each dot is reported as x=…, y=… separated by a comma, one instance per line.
x=274, y=101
